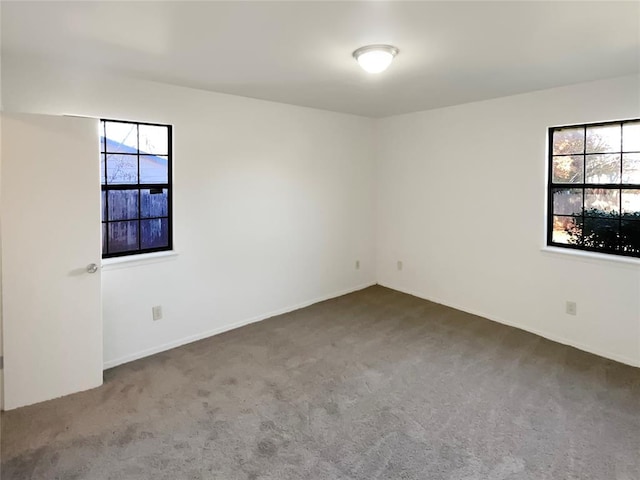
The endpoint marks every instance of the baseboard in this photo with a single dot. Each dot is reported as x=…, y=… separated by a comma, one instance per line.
x=547, y=335
x=216, y=331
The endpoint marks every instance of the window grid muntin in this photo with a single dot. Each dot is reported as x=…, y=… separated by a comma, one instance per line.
x=551, y=186
x=106, y=187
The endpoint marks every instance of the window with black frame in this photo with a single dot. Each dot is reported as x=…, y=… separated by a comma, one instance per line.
x=136, y=187
x=594, y=187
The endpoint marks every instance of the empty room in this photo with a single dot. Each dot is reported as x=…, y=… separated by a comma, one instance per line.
x=320, y=240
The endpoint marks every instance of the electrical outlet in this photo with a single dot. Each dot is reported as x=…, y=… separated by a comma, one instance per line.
x=399, y=264
x=357, y=264
x=571, y=308
x=156, y=312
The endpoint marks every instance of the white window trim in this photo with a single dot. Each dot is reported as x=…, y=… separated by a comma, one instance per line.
x=130, y=261
x=591, y=256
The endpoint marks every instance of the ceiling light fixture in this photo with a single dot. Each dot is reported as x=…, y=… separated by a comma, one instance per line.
x=375, y=58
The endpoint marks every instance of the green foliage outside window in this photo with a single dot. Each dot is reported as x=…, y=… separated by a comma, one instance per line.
x=594, y=187
x=606, y=231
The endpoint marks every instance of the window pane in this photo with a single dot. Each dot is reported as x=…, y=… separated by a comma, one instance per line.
x=631, y=168
x=155, y=233
x=123, y=236
x=631, y=203
x=568, y=169
x=566, y=230
x=568, y=141
x=601, y=202
x=121, y=137
x=154, y=203
x=631, y=137
x=132, y=155
x=601, y=233
x=602, y=168
x=604, y=139
x=104, y=238
x=101, y=134
x=603, y=179
x=154, y=169
x=123, y=204
x=104, y=206
x=102, y=171
x=154, y=139
x=122, y=169
x=567, y=201
x=630, y=236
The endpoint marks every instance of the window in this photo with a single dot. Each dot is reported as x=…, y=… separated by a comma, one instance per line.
x=135, y=165
x=594, y=187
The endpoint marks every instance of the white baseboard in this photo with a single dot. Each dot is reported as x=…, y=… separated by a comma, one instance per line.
x=547, y=335
x=209, y=333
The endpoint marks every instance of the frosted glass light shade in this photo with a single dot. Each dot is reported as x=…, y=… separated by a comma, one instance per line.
x=375, y=58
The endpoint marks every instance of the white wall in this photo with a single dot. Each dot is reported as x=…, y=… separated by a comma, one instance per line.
x=272, y=205
x=461, y=202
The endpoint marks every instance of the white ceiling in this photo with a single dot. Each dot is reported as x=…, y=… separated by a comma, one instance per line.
x=300, y=52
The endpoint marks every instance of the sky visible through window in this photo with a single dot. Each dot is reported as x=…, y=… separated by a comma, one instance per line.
x=153, y=139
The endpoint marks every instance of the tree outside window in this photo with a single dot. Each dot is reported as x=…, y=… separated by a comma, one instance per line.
x=594, y=187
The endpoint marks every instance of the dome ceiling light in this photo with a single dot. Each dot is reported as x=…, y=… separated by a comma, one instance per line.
x=375, y=58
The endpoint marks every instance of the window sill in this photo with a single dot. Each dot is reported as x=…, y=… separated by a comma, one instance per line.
x=592, y=256
x=138, y=260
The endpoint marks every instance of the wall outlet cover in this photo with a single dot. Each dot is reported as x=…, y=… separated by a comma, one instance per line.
x=571, y=308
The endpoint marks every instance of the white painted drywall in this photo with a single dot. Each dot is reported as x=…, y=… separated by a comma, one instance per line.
x=272, y=205
x=461, y=203
x=1, y=323
x=51, y=304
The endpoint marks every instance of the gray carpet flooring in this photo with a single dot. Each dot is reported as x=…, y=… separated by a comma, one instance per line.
x=372, y=385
